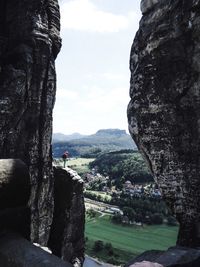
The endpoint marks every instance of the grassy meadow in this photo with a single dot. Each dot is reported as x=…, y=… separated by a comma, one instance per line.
x=81, y=165
x=103, y=195
x=127, y=241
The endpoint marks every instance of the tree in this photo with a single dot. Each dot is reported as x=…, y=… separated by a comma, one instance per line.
x=109, y=248
x=129, y=212
x=126, y=164
x=91, y=213
x=117, y=218
x=98, y=246
x=156, y=218
x=171, y=221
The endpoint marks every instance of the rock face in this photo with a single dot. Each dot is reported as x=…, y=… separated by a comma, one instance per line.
x=67, y=233
x=173, y=257
x=29, y=44
x=14, y=197
x=16, y=251
x=164, y=111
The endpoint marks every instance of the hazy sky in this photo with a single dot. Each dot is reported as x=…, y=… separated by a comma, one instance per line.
x=93, y=65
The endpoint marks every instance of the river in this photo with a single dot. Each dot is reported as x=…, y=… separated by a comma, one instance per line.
x=90, y=262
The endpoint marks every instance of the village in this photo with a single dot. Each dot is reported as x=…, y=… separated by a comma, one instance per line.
x=96, y=181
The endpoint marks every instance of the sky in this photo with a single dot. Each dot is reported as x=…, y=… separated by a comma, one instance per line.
x=93, y=65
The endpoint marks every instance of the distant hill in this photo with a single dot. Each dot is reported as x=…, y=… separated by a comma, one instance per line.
x=60, y=137
x=105, y=140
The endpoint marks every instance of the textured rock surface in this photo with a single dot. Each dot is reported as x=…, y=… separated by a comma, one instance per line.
x=14, y=197
x=164, y=111
x=173, y=257
x=146, y=264
x=67, y=233
x=16, y=251
x=29, y=43
x=147, y=5
x=14, y=183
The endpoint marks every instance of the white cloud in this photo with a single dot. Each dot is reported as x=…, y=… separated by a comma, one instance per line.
x=83, y=15
x=92, y=109
x=61, y=93
x=108, y=77
x=114, y=76
x=104, y=101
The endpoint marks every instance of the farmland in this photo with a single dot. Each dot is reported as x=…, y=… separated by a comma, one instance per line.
x=127, y=241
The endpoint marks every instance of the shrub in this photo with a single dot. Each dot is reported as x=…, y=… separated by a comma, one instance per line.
x=171, y=221
x=117, y=218
x=98, y=246
x=91, y=213
x=156, y=218
x=129, y=212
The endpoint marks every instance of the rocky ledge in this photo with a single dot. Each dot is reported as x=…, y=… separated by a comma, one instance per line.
x=173, y=257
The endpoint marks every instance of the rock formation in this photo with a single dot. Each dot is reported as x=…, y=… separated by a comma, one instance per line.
x=67, y=233
x=29, y=43
x=14, y=197
x=173, y=257
x=16, y=251
x=164, y=111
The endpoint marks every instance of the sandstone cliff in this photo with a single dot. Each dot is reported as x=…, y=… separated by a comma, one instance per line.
x=164, y=111
x=67, y=231
x=29, y=44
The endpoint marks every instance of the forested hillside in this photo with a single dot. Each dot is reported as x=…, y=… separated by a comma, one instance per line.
x=122, y=166
x=93, y=145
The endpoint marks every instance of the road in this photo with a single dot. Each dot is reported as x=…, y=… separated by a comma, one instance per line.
x=100, y=204
x=90, y=262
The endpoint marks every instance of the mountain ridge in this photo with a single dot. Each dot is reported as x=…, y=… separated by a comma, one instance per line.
x=104, y=140
x=59, y=137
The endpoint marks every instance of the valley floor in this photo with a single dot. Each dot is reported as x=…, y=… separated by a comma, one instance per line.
x=127, y=241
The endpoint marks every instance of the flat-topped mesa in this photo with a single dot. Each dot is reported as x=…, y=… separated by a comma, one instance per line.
x=164, y=111
x=29, y=44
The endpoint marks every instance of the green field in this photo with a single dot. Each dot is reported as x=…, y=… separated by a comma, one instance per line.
x=103, y=195
x=128, y=241
x=81, y=165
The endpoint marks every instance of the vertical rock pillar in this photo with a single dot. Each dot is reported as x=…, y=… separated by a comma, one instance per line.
x=29, y=44
x=164, y=111
x=67, y=232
